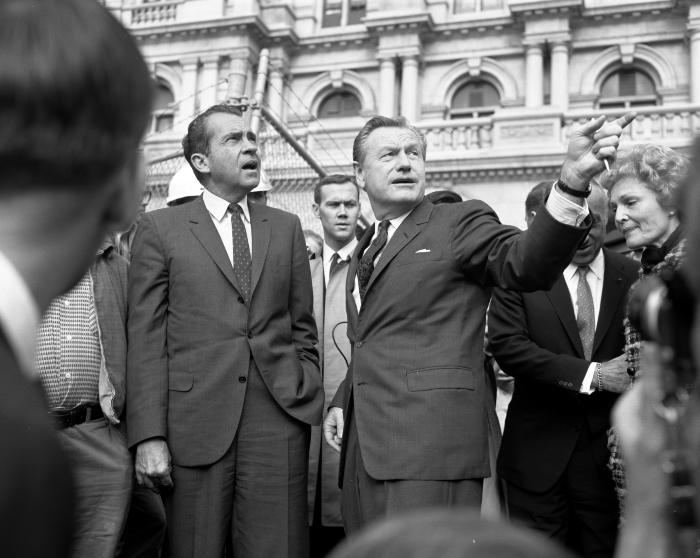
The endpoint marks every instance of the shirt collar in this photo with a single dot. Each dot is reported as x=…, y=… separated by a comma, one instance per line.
x=218, y=207
x=19, y=315
x=597, y=267
x=345, y=252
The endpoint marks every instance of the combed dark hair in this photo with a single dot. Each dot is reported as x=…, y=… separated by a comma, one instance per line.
x=75, y=94
x=537, y=197
x=661, y=168
x=453, y=533
x=359, y=146
x=333, y=179
x=197, y=139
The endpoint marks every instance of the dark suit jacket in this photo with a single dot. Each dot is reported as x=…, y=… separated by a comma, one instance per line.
x=191, y=335
x=534, y=338
x=36, y=489
x=415, y=386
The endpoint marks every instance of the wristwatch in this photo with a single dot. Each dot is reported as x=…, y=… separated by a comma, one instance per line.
x=564, y=187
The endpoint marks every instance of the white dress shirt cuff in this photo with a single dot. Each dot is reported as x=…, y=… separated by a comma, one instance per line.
x=586, y=386
x=564, y=210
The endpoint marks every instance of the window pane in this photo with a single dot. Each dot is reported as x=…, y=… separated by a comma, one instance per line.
x=163, y=97
x=343, y=103
x=331, y=13
x=164, y=122
x=476, y=94
x=627, y=83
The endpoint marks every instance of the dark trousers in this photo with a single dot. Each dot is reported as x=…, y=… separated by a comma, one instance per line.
x=580, y=510
x=102, y=471
x=145, y=525
x=366, y=499
x=256, y=492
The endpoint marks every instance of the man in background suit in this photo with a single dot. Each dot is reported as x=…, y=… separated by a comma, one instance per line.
x=337, y=206
x=222, y=367
x=417, y=291
x=564, y=347
x=74, y=103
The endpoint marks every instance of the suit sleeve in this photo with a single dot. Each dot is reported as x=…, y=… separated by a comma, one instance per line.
x=518, y=355
x=492, y=253
x=304, y=333
x=147, y=358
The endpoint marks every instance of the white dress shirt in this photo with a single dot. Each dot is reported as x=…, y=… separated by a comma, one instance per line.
x=345, y=252
x=19, y=315
x=594, y=278
x=221, y=217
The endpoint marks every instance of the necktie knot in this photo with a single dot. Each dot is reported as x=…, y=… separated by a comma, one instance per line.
x=583, y=271
x=336, y=263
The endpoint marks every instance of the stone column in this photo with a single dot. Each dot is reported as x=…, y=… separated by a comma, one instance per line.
x=409, y=88
x=187, y=108
x=695, y=66
x=559, y=78
x=533, y=77
x=275, y=90
x=387, y=83
x=208, y=78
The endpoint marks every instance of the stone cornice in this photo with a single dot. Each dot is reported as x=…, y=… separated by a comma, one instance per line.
x=393, y=21
x=534, y=8
x=251, y=24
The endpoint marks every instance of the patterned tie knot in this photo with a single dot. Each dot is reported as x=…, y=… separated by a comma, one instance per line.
x=583, y=271
x=235, y=208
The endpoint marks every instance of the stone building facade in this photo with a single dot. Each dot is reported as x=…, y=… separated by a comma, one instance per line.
x=495, y=85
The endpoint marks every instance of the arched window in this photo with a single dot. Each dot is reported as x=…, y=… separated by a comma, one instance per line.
x=339, y=104
x=473, y=99
x=163, y=111
x=627, y=88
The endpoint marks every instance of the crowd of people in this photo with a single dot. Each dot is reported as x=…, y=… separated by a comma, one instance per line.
x=230, y=390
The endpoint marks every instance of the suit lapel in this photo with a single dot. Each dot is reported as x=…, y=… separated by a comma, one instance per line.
x=203, y=228
x=260, y=230
x=613, y=294
x=560, y=298
x=410, y=227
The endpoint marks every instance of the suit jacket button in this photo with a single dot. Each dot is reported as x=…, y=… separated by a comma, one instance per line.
x=358, y=344
x=242, y=379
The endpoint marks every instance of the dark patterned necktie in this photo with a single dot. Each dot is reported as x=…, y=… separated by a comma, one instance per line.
x=366, y=265
x=241, y=251
x=585, y=318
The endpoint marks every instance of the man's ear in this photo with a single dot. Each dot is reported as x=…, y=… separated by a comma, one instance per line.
x=316, y=209
x=200, y=162
x=359, y=174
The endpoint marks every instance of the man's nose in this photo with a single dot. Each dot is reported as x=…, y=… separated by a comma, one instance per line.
x=402, y=161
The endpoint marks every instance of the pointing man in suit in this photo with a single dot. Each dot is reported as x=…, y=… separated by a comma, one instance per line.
x=74, y=103
x=223, y=378
x=337, y=206
x=564, y=347
x=418, y=286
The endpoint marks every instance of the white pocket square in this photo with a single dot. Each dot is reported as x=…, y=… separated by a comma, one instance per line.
x=423, y=251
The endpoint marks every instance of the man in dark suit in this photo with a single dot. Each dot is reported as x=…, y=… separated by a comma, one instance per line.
x=222, y=368
x=74, y=103
x=418, y=286
x=564, y=347
x=337, y=206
